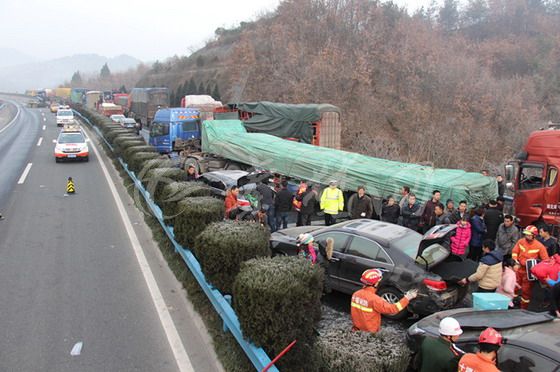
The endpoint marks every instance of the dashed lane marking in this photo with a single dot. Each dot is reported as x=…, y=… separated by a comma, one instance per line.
x=25, y=173
x=44, y=127
x=40, y=141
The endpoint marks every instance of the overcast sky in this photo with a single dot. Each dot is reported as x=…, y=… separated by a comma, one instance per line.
x=145, y=29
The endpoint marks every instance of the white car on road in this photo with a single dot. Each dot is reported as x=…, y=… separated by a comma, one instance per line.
x=64, y=116
x=71, y=144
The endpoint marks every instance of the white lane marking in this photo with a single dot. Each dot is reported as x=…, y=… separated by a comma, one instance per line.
x=44, y=127
x=13, y=120
x=181, y=357
x=40, y=141
x=77, y=349
x=44, y=119
x=24, y=174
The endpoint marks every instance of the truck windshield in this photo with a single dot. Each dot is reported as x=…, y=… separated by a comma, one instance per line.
x=531, y=176
x=160, y=98
x=191, y=125
x=159, y=129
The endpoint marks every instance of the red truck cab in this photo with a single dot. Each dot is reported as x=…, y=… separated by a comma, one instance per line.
x=533, y=177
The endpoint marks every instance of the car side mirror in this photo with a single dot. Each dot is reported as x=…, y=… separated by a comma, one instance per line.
x=509, y=172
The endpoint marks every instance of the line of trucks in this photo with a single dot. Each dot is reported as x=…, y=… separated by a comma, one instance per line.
x=304, y=142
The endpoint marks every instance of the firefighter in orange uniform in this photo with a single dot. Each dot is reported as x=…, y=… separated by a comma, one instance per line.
x=367, y=307
x=525, y=249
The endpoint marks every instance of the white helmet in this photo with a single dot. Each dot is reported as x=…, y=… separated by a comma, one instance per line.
x=449, y=327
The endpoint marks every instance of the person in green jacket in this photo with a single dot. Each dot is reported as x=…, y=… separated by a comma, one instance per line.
x=440, y=354
x=332, y=202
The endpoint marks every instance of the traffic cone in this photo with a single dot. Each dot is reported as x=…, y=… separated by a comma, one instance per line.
x=70, y=188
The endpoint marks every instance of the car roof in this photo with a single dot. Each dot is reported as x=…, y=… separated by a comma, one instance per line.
x=229, y=177
x=537, y=331
x=382, y=232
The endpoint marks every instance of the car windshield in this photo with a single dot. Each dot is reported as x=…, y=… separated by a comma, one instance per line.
x=435, y=253
x=65, y=113
x=408, y=244
x=71, y=138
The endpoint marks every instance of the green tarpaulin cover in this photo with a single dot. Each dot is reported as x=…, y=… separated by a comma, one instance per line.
x=284, y=120
x=229, y=139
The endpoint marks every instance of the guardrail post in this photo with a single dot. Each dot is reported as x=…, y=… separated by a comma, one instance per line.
x=228, y=299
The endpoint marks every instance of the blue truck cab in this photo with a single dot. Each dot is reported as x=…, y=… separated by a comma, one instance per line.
x=170, y=124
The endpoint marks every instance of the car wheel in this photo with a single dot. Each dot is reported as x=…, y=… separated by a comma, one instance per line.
x=392, y=296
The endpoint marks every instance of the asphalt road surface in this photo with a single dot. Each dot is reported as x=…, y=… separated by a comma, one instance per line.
x=71, y=272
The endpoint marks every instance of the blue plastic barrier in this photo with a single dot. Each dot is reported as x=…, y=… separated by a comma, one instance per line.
x=221, y=303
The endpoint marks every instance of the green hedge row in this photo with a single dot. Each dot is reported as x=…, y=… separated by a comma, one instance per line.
x=277, y=301
x=129, y=152
x=223, y=246
x=156, y=179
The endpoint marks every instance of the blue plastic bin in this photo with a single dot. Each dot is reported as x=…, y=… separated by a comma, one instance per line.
x=490, y=301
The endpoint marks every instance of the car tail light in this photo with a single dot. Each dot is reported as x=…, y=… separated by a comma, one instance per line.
x=435, y=285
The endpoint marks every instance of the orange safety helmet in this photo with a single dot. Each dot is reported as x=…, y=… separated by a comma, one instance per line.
x=371, y=276
x=490, y=336
x=531, y=230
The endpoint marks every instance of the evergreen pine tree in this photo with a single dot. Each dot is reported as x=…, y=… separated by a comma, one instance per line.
x=105, y=72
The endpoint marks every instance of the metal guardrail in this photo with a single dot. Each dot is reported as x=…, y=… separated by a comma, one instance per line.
x=221, y=303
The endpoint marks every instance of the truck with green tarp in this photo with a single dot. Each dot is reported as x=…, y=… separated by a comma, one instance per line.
x=229, y=142
x=315, y=123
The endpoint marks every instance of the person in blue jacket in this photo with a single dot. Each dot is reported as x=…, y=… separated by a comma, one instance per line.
x=478, y=231
x=554, y=296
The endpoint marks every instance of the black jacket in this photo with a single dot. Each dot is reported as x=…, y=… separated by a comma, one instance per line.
x=411, y=216
x=390, y=213
x=492, y=218
x=267, y=195
x=308, y=201
x=360, y=205
x=283, y=201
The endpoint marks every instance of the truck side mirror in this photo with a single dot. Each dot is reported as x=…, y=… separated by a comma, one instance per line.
x=509, y=172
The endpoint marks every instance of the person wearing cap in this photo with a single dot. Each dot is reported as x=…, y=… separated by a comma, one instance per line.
x=489, y=343
x=441, y=354
x=332, y=202
x=306, y=248
x=527, y=248
x=366, y=307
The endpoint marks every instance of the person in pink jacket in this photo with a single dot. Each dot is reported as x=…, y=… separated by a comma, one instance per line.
x=462, y=238
x=509, y=285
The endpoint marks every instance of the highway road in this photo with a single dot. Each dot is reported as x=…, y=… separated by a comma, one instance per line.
x=82, y=270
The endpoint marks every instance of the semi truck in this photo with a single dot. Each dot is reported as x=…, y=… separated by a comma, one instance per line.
x=227, y=144
x=205, y=104
x=92, y=99
x=108, y=109
x=173, y=128
x=533, y=178
x=316, y=124
x=63, y=93
x=77, y=95
x=121, y=99
x=144, y=102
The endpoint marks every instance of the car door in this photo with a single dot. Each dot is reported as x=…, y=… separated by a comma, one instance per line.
x=340, y=242
x=362, y=254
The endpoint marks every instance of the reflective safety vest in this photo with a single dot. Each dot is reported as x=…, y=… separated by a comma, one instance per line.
x=367, y=308
x=525, y=250
x=332, y=200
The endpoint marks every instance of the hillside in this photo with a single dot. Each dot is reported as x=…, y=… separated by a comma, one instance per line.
x=457, y=86
x=12, y=57
x=51, y=73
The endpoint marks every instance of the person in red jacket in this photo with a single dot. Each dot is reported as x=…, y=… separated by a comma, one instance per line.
x=527, y=248
x=367, y=307
x=460, y=241
x=489, y=343
x=231, y=203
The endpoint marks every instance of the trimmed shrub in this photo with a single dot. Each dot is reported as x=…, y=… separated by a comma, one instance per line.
x=156, y=163
x=339, y=349
x=277, y=301
x=129, y=152
x=138, y=159
x=197, y=213
x=110, y=135
x=107, y=127
x=224, y=245
x=156, y=179
x=174, y=192
x=122, y=143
